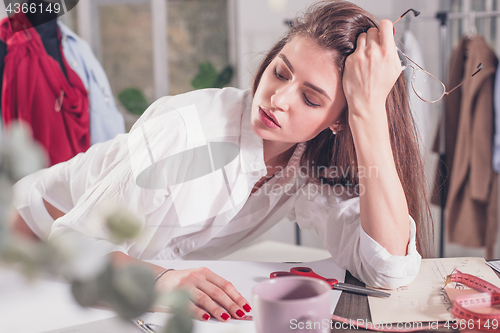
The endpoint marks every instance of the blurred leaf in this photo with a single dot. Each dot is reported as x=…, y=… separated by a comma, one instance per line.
x=133, y=100
x=20, y=155
x=123, y=224
x=206, y=77
x=21, y=254
x=97, y=287
x=132, y=292
x=6, y=195
x=129, y=290
x=224, y=77
x=178, y=299
x=78, y=257
x=86, y=293
x=181, y=322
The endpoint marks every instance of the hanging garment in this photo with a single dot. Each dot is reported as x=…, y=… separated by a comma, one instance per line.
x=450, y=117
x=420, y=110
x=49, y=35
x=36, y=91
x=496, y=139
x=471, y=209
x=106, y=121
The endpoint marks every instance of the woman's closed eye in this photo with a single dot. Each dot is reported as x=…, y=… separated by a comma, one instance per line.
x=283, y=77
x=309, y=103
x=279, y=75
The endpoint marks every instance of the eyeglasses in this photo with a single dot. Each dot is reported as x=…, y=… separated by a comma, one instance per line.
x=426, y=86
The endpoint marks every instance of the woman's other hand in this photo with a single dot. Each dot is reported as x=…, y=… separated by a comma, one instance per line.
x=371, y=71
x=209, y=293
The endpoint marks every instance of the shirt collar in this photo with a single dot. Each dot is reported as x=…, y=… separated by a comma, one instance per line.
x=252, y=147
x=66, y=32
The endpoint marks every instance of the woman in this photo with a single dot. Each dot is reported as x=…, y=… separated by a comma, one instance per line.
x=326, y=137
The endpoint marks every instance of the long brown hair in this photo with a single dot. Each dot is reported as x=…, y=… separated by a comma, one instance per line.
x=335, y=26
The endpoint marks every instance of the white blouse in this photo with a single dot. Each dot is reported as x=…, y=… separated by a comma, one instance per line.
x=187, y=169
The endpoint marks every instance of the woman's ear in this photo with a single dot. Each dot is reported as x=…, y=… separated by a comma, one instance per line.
x=337, y=126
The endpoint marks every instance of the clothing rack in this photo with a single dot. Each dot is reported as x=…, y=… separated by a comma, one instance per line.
x=444, y=17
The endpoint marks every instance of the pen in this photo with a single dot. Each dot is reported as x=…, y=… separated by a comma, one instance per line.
x=145, y=327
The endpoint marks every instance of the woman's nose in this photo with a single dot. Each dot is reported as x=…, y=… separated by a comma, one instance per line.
x=279, y=99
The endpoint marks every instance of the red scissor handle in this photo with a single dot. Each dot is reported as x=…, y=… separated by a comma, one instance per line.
x=306, y=271
x=303, y=271
x=279, y=274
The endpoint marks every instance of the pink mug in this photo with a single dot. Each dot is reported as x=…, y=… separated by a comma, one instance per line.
x=292, y=304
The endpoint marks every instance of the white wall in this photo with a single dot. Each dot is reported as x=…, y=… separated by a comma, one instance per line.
x=259, y=26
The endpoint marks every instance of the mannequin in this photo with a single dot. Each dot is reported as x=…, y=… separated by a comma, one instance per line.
x=75, y=75
x=45, y=24
x=40, y=90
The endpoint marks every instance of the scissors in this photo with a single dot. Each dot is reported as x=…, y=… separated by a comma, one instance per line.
x=334, y=283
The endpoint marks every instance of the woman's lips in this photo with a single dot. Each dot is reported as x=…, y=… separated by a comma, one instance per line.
x=268, y=119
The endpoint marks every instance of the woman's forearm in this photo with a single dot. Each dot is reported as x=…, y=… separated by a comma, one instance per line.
x=383, y=205
x=369, y=75
x=53, y=211
x=120, y=259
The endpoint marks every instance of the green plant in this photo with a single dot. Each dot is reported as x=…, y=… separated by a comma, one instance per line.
x=209, y=77
x=133, y=100
x=129, y=290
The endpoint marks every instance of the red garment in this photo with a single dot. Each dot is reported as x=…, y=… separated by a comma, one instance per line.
x=33, y=88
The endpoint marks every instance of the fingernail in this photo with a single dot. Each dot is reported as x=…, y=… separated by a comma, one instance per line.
x=240, y=313
x=393, y=31
x=247, y=308
x=206, y=317
x=224, y=316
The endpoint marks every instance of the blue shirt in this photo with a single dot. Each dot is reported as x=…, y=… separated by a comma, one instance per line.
x=105, y=119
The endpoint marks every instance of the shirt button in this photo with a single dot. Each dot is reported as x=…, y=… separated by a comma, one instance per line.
x=176, y=250
x=74, y=63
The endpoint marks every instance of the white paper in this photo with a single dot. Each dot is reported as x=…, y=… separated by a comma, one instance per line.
x=425, y=300
x=244, y=276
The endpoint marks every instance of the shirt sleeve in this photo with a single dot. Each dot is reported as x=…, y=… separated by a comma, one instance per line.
x=86, y=186
x=333, y=215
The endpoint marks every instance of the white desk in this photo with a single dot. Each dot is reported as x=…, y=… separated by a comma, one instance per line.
x=271, y=251
x=41, y=305
x=44, y=305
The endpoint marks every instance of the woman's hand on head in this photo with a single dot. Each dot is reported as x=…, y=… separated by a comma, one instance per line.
x=210, y=293
x=371, y=71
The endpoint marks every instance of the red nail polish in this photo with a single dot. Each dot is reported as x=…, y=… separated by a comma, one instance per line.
x=393, y=31
x=206, y=317
x=247, y=308
x=240, y=313
x=224, y=316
